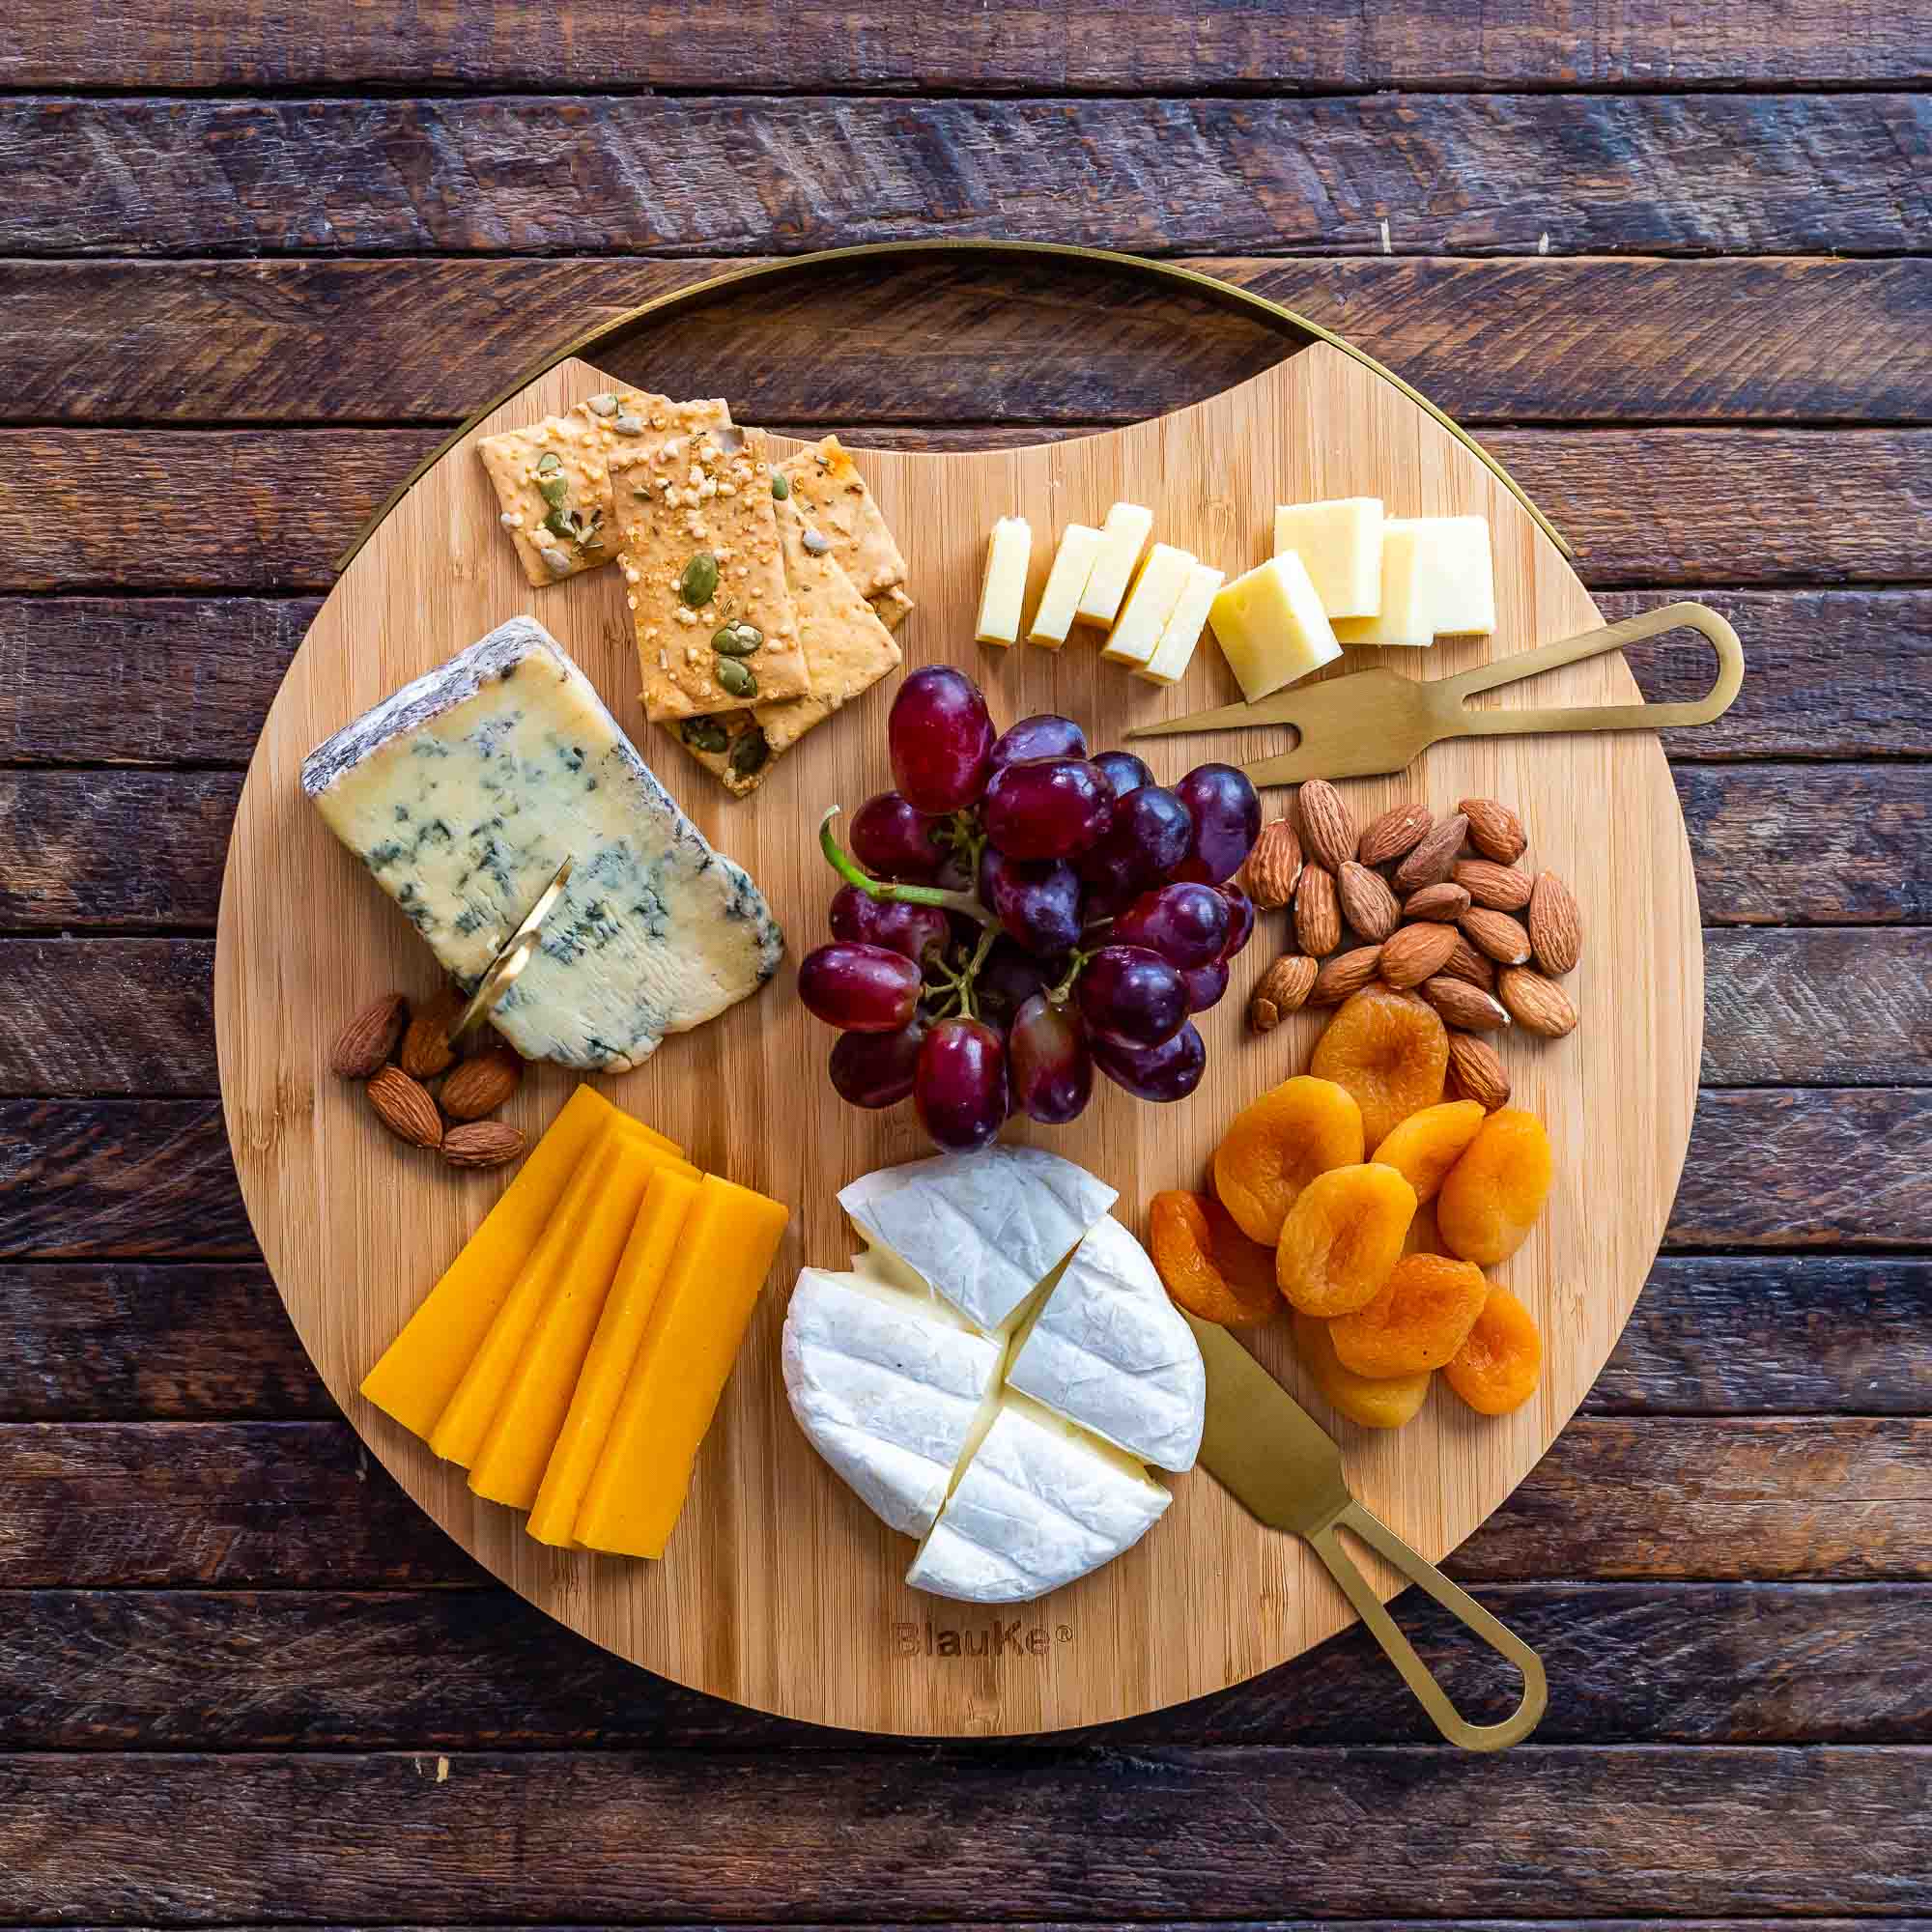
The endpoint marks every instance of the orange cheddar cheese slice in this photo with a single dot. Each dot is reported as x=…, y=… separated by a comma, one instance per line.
x=694, y=1335
x=583, y=1260
x=606, y=1368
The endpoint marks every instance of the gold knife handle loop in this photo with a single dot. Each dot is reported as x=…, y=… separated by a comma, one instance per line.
x=1373, y=1613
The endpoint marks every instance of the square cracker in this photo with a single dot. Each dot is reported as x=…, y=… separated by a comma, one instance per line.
x=684, y=498
x=843, y=510
x=847, y=650
x=553, y=541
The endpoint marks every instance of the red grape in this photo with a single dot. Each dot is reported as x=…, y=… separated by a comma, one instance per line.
x=1037, y=901
x=893, y=842
x=1044, y=735
x=1186, y=924
x=1205, y=986
x=1148, y=836
x=1048, y=1067
x=941, y=739
x=960, y=1087
x=1131, y=994
x=916, y=930
x=1241, y=920
x=1009, y=976
x=861, y=988
x=875, y=1069
x=1168, y=1071
x=1123, y=772
x=1046, y=808
x=1227, y=817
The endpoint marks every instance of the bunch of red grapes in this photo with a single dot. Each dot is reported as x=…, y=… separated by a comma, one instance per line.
x=1017, y=913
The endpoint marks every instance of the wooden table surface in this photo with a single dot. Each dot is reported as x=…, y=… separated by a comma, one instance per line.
x=1672, y=264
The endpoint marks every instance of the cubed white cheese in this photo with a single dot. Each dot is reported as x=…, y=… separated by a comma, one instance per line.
x=1122, y=538
x=1408, y=615
x=1460, y=574
x=1009, y=553
x=1182, y=631
x=1072, y=564
x=1151, y=603
x=1271, y=627
x=1339, y=542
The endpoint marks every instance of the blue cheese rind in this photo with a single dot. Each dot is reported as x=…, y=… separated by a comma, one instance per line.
x=465, y=792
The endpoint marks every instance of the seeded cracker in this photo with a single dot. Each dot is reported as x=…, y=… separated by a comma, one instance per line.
x=704, y=578
x=842, y=508
x=847, y=650
x=554, y=497
x=892, y=606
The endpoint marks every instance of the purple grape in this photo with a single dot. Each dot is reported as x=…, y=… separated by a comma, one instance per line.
x=961, y=1085
x=1186, y=924
x=893, y=842
x=1148, y=836
x=954, y=873
x=1046, y=808
x=916, y=930
x=875, y=1069
x=1009, y=976
x=1241, y=920
x=1048, y=1068
x=1132, y=995
x=941, y=739
x=1037, y=901
x=1227, y=817
x=861, y=988
x=1168, y=1071
x=1205, y=986
x=1044, y=735
x=1123, y=772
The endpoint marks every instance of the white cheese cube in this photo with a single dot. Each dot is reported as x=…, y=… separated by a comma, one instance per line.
x=1271, y=627
x=1341, y=543
x=1072, y=564
x=1009, y=552
x=1182, y=631
x=1122, y=537
x=1461, y=578
x=1150, y=604
x=1408, y=615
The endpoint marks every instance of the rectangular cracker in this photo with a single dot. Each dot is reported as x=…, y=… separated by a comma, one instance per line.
x=682, y=499
x=521, y=464
x=892, y=606
x=843, y=510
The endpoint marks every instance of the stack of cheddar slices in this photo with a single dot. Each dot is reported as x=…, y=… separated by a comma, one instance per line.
x=573, y=1356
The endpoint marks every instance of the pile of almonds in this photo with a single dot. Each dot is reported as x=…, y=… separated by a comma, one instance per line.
x=1478, y=938
x=419, y=1088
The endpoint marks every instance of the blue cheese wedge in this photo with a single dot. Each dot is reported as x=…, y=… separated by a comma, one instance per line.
x=463, y=794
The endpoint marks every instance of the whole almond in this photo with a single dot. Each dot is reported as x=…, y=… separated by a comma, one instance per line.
x=1476, y=1073
x=1466, y=963
x=1417, y=954
x=403, y=1106
x=1399, y=829
x=1434, y=858
x=1501, y=888
x=1326, y=829
x=1555, y=925
x=1536, y=1003
x=482, y=1083
x=482, y=1144
x=367, y=1041
x=426, y=1049
x=1366, y=903
x=1346, y=973
x=1463, y=1004
x=1497, y=934
x=1274, y=867
x=1281, y=990
x=1445, y=904
x=1494, y=829
x=1318, y=911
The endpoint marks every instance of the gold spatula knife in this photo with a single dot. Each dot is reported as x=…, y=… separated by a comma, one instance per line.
x=1280, y=1465
x=1375, y=721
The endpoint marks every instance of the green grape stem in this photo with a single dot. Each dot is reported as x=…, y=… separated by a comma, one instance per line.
x=853, y=873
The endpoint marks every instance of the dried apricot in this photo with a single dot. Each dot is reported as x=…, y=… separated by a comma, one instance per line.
x=1210, y=1266
x=1490, y=1200
x=1422, y=1315
x=1375, y=1405
x=1278, y=1144
x=1390, y=1050
x=1499, y=1364
x=1342, y=1237
x=1424, y=1237
x=1429, y=1144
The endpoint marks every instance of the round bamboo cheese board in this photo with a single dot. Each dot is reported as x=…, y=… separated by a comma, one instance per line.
x=779, y=1589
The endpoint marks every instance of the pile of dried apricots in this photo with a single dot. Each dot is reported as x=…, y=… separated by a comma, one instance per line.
x=1378, y=1255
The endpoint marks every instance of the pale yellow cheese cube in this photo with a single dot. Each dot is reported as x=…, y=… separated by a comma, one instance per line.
x=1271, y=627
x=1149, y=605
x=1458, y=572
x=1182, y=632
x=1122, y=537
x=1009, y=552
x=1408, y=615
x=1341, y=544
x=1072, y=564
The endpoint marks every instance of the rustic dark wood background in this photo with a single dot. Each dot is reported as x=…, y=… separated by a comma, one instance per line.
x=1674, y=265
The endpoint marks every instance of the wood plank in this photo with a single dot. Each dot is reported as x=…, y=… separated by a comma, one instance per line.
x=1543, y=338
x=235, y=1670
x=1722, y=173
x=800, y=1837
x=108, y=1016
